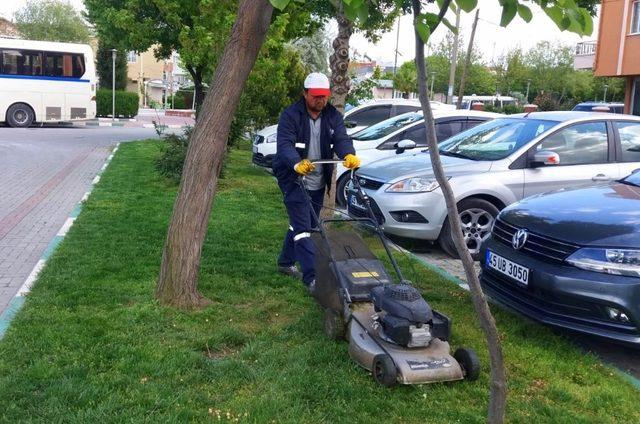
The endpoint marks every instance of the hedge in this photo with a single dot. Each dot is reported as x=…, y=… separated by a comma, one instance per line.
x=126, y=103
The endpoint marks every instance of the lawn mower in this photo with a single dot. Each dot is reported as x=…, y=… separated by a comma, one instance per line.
x=392, y=331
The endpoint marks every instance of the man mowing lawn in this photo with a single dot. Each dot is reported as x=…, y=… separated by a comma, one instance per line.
x=310, y=129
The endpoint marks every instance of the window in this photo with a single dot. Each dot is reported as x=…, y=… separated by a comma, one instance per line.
x=635, y=18
x=473, y=122
x=447, y=129
x=370, y=116
x=63, y=65
x=132, y=57
x=579, y=144
x=418, y=134
x=21, y=62
x=400, y=109
x=629, y=141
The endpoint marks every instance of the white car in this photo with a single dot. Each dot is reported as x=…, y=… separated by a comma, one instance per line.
x=399, y=135
x=356, y=119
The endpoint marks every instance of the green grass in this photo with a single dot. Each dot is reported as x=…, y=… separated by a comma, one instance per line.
x=92, y=345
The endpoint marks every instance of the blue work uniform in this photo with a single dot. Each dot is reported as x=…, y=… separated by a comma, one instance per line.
x=294, y=142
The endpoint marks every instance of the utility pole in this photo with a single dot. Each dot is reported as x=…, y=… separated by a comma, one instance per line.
x=454, y=59
x=395, y=63
x=604, y=98
x=113, y=84
x=467, y=62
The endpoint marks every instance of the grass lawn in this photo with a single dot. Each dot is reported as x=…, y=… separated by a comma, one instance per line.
x=92, y=345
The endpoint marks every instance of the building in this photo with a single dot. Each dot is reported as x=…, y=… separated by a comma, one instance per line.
x=618, y=48
x=8, y=29
x=585, y=55
x=154, y=79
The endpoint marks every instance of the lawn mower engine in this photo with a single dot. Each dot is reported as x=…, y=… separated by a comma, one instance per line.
x=403, y=316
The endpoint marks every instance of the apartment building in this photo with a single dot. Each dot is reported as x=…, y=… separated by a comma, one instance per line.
x=618, y=49
x=154, y=79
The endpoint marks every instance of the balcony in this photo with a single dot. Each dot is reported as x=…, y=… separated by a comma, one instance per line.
x=585, y=55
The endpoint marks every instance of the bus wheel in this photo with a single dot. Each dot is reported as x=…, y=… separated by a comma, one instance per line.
x=20, y=115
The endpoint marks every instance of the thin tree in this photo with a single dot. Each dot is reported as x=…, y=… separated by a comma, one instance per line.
x=177, y=283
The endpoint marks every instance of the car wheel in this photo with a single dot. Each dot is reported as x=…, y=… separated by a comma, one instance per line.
x=20, y=115
x=341, y=190
x=469, y=363
x=384, y=370
x=476, y=217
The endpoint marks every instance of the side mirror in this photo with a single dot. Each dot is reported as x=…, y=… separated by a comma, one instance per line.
x=545, y=158
x=403, y=145
x=350, y=124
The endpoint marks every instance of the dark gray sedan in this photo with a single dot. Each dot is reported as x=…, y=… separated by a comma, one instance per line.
x=571, y=259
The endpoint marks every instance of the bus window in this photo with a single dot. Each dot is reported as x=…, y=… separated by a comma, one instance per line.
x=64, y=65
x=21, y=62
x=10, y=59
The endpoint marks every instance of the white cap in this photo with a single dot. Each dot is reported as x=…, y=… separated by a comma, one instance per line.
x=318, y=84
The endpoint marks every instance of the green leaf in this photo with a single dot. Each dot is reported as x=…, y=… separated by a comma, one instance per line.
x=449, y=25
x=279, y=4
x=509, y=10
x=525, y=13
x=588, y=22
x=423, y=26
x=467, y=5
x=565, y=23
x=363, y=12
x=555, y=13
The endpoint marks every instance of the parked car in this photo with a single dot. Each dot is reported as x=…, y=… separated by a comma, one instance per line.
x=495, y=164
x=588, y=107
x=571, y=259
x=401, y=134
x=356, y=119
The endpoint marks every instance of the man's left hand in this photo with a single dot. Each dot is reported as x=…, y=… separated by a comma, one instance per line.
x=351, y=161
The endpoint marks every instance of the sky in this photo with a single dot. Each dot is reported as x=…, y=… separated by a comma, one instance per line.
x=491, y=39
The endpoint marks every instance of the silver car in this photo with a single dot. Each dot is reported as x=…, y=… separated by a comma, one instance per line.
x=493, y=165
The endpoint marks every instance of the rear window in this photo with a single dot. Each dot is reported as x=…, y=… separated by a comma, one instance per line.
x=63, y=65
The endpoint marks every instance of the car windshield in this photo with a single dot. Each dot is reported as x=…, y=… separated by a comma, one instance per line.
x=384, y=128
x=495, y=139
x=633, y=179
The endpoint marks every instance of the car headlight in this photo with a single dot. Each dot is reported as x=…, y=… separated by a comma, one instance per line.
x=272, y=138
x=609, y=261
x=413, y=185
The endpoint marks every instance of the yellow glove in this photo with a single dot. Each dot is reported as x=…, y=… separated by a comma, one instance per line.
x=351, y=161
x=304, y=167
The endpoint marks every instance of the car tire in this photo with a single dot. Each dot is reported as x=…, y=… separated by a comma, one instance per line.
x=341, y=187
x=469, y=363
x=384, y=370
x=20, y=115
x=477, y=216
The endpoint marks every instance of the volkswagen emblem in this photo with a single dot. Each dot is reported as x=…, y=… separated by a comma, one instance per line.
x=519, y=239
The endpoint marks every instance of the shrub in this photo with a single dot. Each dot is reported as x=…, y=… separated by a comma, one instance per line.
x=546, y=102
x=173, y=153
x=126, y=103
x=511, y=109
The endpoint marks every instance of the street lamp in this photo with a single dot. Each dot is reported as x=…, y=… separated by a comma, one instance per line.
x=113, y=84
x=604, y=99
x=433, y=77
x=528, y=85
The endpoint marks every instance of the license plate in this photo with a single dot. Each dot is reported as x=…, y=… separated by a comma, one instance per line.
x=353, y=200
x=508, y=268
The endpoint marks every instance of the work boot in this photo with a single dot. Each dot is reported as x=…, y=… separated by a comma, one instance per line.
x=311, y=287
x=291, y=271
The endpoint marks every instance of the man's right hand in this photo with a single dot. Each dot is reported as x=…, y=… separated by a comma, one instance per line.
x=304, y=167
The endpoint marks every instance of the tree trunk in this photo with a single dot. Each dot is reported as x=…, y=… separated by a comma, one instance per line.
x=339, y=63
x=467, y=62
x=498, y=396
x=177, y=283
x=454, y=59
x=198, y=88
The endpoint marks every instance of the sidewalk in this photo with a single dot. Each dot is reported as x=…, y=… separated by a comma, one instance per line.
x=144, y=119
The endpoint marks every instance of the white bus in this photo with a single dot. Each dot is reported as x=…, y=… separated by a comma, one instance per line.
x=497, y=101
x=42, y=81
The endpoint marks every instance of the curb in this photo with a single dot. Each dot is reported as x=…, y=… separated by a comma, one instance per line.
x=635, y=382
x=163, y=126
x=18, y=300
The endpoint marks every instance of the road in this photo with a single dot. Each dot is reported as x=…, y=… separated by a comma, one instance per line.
x=44, y=173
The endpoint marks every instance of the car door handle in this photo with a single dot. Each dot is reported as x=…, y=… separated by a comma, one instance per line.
x=601, y=177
